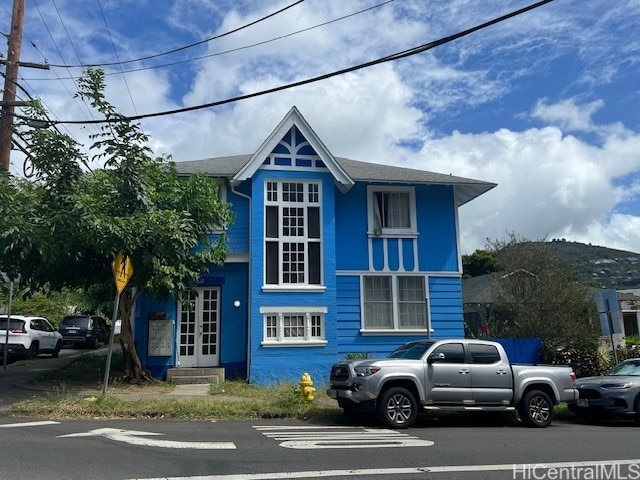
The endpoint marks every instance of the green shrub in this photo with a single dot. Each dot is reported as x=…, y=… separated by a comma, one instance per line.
x=586, y=360
x=632, y=340
x=357, y=356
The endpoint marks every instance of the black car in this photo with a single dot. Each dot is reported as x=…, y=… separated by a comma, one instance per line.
x=84, y=330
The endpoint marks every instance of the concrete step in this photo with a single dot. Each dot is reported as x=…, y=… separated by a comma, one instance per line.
x=195, y=376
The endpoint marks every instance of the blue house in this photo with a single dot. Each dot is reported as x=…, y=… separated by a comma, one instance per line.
x=328, y=256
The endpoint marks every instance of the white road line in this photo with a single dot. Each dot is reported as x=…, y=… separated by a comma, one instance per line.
x=319, y=437
x=132, y=437
x=29, y=424
x=410, y=470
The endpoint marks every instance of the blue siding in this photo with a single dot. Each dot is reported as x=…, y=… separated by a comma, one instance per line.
x=445, y=307
x=408, y=257
x=393, y=253
x=351, y=229
x=351, y=340
x=377, y=251
x=238, y=233
x=233, y=322
x=148, y=306
x=271, y=364
x=437, y=234
x=437, y=241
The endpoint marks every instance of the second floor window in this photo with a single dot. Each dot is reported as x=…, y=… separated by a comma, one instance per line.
x=392, y=211
x=292, y=233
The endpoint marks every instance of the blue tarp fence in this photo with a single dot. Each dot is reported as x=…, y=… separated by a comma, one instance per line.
x=522, y=350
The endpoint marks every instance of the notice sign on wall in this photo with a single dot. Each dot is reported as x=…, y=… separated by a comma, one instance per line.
x=160, y=338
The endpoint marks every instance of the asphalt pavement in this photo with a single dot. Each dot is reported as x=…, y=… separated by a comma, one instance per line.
x=15, y=380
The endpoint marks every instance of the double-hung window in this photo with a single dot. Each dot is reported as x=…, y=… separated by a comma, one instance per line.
x=392, y=210
x=293, y=233
x=394, y=302
x=293, y=325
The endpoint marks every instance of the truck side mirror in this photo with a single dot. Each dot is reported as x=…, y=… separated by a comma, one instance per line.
x=435, y=358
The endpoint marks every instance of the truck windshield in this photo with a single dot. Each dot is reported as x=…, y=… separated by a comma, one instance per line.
x=411, y=351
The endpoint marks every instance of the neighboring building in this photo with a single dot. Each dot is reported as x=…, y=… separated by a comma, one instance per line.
x=618, y=310
x=328, y=256
x=630, y=307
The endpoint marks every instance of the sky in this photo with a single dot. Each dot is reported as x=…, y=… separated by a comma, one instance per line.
x=545, y=104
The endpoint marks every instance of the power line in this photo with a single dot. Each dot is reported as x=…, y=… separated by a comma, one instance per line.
x=62, y=57
x=388, y=58
x=73, y=46
x=185, y=47
x=124, y=77
x=237, y=49
x=46, y=115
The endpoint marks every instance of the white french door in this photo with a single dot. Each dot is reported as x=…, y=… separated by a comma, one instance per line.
x=199, y=329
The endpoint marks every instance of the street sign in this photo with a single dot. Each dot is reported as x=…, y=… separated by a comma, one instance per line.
x=122, y=270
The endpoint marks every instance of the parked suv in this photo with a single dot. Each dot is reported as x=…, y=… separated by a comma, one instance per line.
x=84, y=330
x=28, y=337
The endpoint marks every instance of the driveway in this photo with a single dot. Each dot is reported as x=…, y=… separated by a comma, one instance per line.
x=14, y=377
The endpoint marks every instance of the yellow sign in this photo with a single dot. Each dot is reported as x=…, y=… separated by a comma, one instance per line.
x=122, y=270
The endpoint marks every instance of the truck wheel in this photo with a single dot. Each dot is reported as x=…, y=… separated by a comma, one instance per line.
x=397, y=408
x=536, y=409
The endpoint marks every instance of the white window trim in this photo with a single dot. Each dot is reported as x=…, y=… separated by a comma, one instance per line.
x=395, y=306
x=294, y=288
x=281, y=341
x=304, y=204
x=393, y=232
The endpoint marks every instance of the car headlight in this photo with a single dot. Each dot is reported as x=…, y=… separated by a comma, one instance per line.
x=618, y=386
x=366, y=371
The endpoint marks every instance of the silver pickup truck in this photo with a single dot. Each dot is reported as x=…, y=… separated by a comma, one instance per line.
x=449, y=375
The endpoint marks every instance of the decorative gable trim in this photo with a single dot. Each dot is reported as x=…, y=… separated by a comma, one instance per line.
x=291, y=119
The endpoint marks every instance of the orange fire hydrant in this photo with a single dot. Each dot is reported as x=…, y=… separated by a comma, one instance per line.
x=306, y=388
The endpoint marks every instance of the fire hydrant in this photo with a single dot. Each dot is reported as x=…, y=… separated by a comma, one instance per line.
x=306, y=388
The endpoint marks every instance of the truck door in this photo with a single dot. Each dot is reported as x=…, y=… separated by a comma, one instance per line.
x=449, y=376
x=491, y=377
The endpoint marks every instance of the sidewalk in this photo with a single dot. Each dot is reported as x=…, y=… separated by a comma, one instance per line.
x=198, y=391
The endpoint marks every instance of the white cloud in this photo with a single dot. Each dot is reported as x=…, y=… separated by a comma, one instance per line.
x=567, y=114
x=550, y=185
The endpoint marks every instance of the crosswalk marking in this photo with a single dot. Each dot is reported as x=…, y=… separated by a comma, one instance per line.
x=319, y=437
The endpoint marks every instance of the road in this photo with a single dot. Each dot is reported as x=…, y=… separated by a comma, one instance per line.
x=447, y=447
x=464, y=447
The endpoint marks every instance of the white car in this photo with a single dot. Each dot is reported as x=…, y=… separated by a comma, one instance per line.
x=28, y=337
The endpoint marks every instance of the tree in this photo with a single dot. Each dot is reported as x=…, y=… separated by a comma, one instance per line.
x=539, y=295
x=136, y=204
x=480, y=262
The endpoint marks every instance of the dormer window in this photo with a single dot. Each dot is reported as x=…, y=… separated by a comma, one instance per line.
x=293, y=233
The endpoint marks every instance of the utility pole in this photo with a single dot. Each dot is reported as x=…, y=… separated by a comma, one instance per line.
x=10, y=83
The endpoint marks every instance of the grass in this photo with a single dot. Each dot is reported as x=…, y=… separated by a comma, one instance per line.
x=73, y=392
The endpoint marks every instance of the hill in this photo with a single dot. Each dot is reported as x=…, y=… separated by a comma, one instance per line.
x=606, y=267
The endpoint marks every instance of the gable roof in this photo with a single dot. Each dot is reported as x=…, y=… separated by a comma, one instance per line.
x=291, y=119
x=346, y=172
